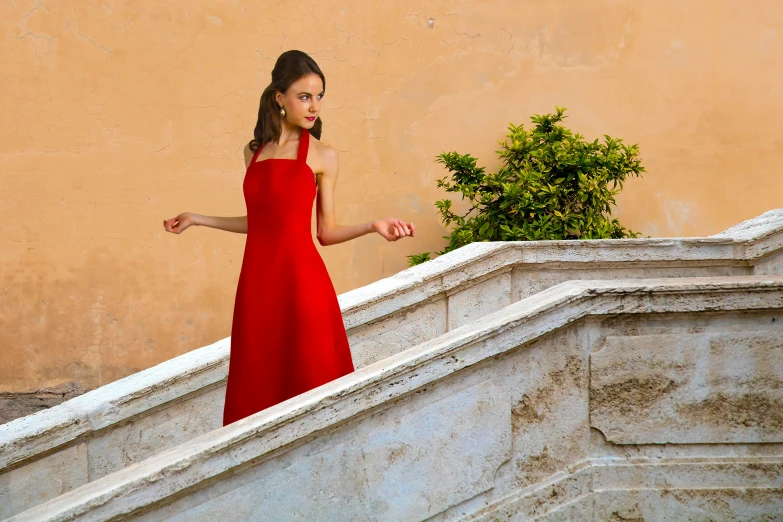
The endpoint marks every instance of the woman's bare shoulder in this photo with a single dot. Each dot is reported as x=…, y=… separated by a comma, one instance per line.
x=326, y=155
x=325, y=151
x=248, y=153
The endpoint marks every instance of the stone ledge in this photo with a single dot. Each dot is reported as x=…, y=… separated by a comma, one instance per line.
x=759, y=227
x=206, y=367
x=249, y=439
x=127, y=421
x=573, y=496
x=737, y=244
x=119, y=401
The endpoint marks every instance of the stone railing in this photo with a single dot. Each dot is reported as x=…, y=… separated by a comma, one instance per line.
x=592, y=400
x=105, y=430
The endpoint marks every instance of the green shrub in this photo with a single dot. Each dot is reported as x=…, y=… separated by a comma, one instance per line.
x=553, y=185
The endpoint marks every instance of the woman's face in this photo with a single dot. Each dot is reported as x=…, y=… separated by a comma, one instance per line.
x=303, y=100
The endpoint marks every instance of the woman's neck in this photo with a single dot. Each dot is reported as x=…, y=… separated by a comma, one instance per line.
x=289, y=133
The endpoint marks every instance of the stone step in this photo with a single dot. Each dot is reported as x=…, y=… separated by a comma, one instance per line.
x=652, y=399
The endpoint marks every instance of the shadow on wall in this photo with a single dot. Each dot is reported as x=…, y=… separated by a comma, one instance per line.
x=15, y=405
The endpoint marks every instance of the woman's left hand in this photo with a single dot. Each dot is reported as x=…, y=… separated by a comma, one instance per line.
x=393, y=229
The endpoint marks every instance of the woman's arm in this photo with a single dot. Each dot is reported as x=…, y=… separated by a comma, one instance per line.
x=339, y=233
x=329, y=232
x=236, y=224
x=187, y=219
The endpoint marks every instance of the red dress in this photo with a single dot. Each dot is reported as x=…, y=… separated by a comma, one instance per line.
x=287, y=334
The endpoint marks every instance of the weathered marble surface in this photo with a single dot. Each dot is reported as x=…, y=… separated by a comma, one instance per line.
x=490, y=421
x=691, y=387
x=148, y=412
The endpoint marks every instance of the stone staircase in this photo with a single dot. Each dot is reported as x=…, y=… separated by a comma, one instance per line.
x=484, y=390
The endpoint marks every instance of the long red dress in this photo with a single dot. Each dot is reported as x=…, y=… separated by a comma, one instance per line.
x=287, y=334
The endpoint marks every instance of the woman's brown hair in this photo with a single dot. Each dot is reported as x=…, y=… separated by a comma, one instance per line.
x=289, y=67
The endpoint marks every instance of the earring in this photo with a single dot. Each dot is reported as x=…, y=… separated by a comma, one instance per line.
x=282, y=111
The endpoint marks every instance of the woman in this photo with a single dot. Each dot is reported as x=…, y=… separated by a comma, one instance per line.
x=287, y=334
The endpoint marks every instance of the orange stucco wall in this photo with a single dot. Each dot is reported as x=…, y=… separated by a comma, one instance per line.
x=116, y=115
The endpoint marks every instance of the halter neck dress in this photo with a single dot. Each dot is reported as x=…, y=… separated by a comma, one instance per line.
x=287, y=333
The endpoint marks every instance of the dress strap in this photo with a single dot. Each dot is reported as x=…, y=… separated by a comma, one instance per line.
x=304, y=142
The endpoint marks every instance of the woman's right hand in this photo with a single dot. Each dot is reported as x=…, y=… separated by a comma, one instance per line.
x=180, y=223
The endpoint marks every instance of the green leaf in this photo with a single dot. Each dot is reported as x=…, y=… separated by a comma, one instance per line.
x=552, y=184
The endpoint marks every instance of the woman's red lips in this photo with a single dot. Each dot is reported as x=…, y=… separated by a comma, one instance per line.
x=311, y=118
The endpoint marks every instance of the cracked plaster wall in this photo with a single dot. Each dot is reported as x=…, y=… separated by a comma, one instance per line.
x=118, y=115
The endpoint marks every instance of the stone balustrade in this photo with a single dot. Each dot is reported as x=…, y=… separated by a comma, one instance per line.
x=591, y=400
x=103, y=431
